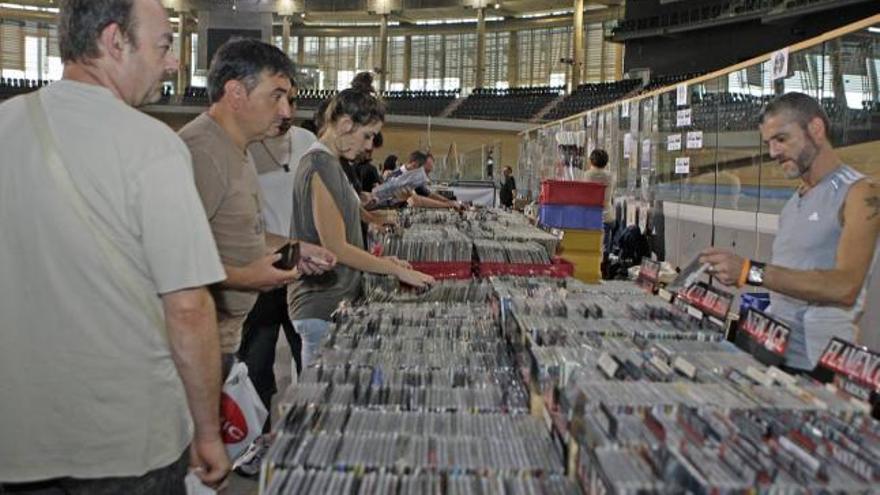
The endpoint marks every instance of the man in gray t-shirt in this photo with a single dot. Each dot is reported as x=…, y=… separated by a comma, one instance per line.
x=109, y=353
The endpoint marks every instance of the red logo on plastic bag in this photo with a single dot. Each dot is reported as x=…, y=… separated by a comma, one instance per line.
x=234, y=426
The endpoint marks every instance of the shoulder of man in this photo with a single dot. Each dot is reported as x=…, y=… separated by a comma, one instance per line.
x=155, y=138
x=196, y=130
x=199, y=138
x=864, y=195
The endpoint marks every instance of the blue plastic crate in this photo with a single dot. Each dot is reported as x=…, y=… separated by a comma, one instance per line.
x=571, y=217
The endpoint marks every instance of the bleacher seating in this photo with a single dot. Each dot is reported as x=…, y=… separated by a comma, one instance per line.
x=695, y=15
x=418, y=102
x=516, y=104
x=658, y=82
x=723, y=112
x=732, y=112
x=13, y=87
x=588, y=96
x=687, y=15
x=194, y=95
x=311, y=98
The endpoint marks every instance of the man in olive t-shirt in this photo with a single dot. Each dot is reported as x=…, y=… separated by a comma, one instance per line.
x=248, y=86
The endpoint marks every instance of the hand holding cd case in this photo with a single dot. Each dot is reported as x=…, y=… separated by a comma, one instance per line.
x=289, y=256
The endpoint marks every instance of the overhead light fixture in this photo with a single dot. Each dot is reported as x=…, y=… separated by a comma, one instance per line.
x=497, y=5
x=302, y=15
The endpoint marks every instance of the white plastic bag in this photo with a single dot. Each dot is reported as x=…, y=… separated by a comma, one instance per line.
x=194, y=486
x=242, y=413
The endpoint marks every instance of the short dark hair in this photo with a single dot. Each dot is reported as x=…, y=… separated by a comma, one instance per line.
x=419, y=157
x=359, y=103
x=390, y=163
x=802, y=107
x=245, y=59
x=80, y=23
x=599, y=158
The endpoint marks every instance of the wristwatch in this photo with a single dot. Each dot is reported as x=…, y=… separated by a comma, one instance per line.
x=756, y=274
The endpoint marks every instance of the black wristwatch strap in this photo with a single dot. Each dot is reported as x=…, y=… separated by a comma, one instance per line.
x=756, y=274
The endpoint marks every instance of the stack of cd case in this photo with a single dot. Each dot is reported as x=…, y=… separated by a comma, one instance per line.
x=660, y=405
x=706, y=450
x=307, y=481
x=437, y=392
x=406, y=396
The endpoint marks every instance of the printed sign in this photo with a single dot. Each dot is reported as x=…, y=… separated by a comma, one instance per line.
x=855, y=363
x=673, y=142
x=695, y=140
x=716, y=302
x=779, y=64
x=683, y=165
x=683, y=117
x=624, y=110
x=645, y=156
x=681, y=95
x=627, y=145
x=766, y=331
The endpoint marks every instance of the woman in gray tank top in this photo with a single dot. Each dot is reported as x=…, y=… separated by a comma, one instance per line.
x=326, y=211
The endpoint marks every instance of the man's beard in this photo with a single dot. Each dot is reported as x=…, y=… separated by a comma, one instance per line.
x=804, y=160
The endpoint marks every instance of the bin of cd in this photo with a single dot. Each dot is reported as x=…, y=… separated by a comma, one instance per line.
x=443, y=270
x=571, y=217
x=559, y=268
x=566, y=192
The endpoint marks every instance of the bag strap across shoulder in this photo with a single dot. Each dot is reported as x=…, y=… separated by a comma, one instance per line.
x=111, y=251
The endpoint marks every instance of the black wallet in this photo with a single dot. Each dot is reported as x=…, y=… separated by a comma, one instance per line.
x=289, y=256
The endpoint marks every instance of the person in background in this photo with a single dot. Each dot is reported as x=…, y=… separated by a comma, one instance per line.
x=389, y=166
x=826, y=246
x=490, y=165
x=598, y=172
x=327, y=211
x=364, y=168
x=423, y=197
x=109, y=351
x=248, y=86
x=508, y=188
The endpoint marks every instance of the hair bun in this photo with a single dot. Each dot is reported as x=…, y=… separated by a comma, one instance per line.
x=363, y=82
